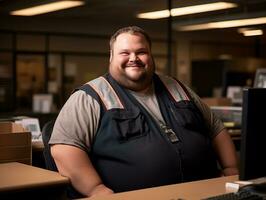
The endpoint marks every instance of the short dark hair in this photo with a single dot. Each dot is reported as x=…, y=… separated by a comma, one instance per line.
x=131, y=30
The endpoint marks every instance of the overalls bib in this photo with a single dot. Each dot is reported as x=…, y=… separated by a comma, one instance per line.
x=132, y=151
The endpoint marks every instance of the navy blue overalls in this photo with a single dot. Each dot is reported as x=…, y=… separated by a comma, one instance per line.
x=131, y=151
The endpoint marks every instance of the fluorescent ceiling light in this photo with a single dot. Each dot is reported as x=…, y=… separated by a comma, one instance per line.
x=253, y=32
x=187, y=10
x=154, y=15
x=223, y=24
x=50, y=7
x=250, y=32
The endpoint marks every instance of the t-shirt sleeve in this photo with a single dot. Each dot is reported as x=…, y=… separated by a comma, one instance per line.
x=212, y=121
x=77, y=121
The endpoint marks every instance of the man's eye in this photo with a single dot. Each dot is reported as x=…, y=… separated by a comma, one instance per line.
x=124, y=53
x=142, y=52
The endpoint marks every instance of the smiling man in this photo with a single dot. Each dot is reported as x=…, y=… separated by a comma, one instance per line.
x=132, y=129
x=131, y=62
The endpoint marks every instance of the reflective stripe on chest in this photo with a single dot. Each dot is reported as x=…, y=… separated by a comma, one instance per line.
x=111, y=100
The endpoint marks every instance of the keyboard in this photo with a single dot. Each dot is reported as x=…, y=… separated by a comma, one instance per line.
x=241, y=195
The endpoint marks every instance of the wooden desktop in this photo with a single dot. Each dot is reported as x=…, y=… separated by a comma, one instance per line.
x=19, y=180
x=184, y=191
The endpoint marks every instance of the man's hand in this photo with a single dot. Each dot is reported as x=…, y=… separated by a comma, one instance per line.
x=101, y=190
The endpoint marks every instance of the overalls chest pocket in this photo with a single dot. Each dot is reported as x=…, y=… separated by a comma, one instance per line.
x=188, y=116
x=129, y=124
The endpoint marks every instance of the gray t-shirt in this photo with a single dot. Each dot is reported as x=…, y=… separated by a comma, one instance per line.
x=78, y=120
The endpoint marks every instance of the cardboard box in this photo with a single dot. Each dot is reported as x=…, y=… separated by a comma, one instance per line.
x=15, y=143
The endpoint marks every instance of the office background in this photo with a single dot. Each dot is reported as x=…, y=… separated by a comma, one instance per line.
x=48, y=55
x=55, y=52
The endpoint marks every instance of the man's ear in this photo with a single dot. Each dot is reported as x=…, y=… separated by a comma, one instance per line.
x=111, y=56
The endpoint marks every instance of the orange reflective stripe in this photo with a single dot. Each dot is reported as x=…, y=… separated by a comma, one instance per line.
x=174, y=88
x=106, y=92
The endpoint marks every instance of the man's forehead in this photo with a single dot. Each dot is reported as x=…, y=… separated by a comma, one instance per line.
x=123, y=38
x=127, y=35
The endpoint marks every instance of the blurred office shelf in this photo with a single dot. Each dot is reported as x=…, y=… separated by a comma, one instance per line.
x=230, y=115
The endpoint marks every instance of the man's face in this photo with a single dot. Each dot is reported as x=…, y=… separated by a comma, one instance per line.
x=131, y=63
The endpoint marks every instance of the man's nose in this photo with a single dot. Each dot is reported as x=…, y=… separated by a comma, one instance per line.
x=133, y=57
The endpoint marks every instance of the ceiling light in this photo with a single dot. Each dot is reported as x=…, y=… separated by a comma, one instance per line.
x=154, y=15
x=223, y=24
x=50, y=7
x=250, y=32
x=253, y=32
x=187, y=10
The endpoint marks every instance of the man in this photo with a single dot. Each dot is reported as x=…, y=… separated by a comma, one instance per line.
x=133, y=129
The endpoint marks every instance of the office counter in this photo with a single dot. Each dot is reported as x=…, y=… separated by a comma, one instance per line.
x=184, y=191
x=27, y=182
x=24, y=181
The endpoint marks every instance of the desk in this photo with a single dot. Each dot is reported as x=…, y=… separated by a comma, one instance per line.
x=22, y=181
x=186, y=191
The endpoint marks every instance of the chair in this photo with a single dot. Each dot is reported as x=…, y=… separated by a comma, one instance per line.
x=49, y=161
x=46, y=135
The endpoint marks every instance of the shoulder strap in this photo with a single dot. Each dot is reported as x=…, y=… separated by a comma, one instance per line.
x=175, y=88
x=106, y=93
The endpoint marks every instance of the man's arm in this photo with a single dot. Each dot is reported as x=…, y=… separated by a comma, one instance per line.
x=222, y=141
x=226, y=152
x=75, y=164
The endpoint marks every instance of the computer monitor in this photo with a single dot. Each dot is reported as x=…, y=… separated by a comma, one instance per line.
x=260, y=78
x=253, y=134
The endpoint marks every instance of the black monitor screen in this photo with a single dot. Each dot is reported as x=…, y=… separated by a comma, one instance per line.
x=253, y=134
